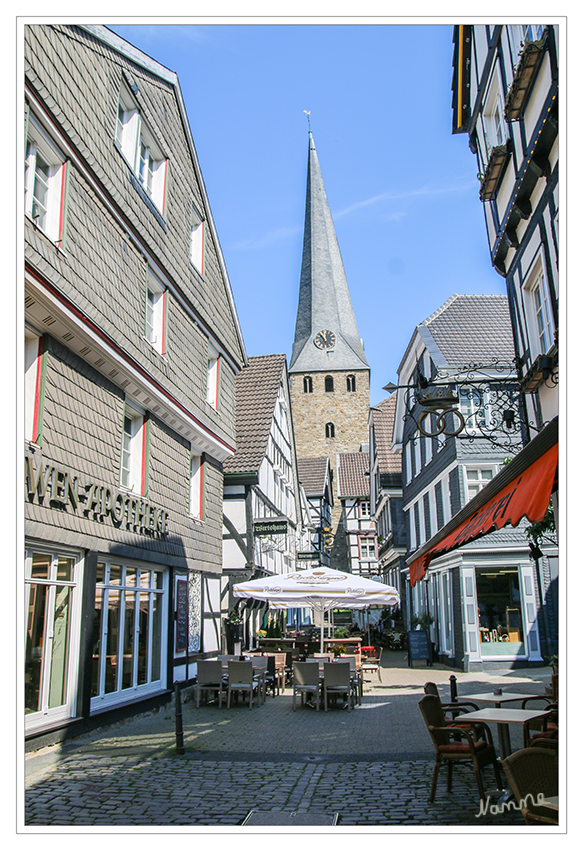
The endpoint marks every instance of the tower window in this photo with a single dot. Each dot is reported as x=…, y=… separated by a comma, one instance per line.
x=329, y=429
x=350, y=384
x=329, y=384
x=308, y=384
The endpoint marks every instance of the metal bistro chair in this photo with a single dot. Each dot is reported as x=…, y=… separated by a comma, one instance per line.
x=209, y=677
x=337, y=681
x=469, y=749
x=531, y=772
x=372, y=664
x=306, y=680
x=241, y=678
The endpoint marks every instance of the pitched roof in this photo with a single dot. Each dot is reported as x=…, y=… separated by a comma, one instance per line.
x=256, y=389
x=324, y=300
x=383, y=416
x=313, y=474
x=468, y=329
x=351, y=478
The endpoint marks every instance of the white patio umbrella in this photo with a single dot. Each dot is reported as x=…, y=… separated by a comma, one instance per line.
x=321, y=589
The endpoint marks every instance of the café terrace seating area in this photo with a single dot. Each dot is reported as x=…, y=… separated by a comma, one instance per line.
x=320, y=680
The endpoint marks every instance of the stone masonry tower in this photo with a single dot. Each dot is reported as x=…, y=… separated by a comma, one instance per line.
x=329, y=373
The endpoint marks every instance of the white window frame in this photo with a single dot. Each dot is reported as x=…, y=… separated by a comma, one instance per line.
x=44, y=167
x=32, y=373
x=213, y=378
x=197, y=241
x=132, y=450
x=196, y=500
x=520, y=34
x=539, y=314
x=495, y=129
x=408, y=462
x=366, y=542
x=364, y=508
x=155, y=319
x=119, y=694
x=480, y=482
x=139, y=147
x=473, y=406
x=45, y=715
x=417, y=448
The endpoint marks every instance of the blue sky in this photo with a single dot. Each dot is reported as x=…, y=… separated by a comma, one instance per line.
x=402, y=188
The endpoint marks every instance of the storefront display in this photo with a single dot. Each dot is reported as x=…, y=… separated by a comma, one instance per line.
x=129, y=642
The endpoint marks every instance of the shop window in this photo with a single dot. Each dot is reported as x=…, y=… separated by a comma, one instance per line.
x=155, y=313
x=140, y=149
x=128, y=633
x=44, y=183
x=308, y=384
x=350, y=384
x=499, y=612
x=52, y=629
x=197, y=482
x=213, y=379
x=196, y=241
x=329, y=384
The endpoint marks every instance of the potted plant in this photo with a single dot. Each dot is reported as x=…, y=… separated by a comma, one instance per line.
x=234, y=623
x=421, y=621
x=339, y=650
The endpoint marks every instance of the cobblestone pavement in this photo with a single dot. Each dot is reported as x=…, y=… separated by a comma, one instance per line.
x=371, y=765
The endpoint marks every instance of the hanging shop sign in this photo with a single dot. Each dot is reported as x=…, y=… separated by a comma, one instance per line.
x=54, y=485
x=308, y=556
x=265, y=528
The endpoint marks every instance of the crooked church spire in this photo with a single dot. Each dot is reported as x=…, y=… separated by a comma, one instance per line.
x=326, y=337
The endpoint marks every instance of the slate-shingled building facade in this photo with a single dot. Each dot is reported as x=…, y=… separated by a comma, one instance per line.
x=485, y=597
x=131, y=352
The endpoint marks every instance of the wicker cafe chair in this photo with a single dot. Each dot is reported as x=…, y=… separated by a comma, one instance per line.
x=542, y=730
x=209, y=677
x=454, y=708
x=241, y=678
x=479, y=753
x=337, y=681
x=531, y=772
x=306, y=680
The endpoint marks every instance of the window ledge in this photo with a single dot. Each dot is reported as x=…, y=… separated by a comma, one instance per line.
x=490, y=181
x=524, y=76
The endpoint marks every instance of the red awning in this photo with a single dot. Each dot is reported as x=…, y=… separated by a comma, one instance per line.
x=522, y=489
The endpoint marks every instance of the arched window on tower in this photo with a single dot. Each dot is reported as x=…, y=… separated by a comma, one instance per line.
x=329, y=384
x=329, y=430
x=308, y=385
x=350, y=384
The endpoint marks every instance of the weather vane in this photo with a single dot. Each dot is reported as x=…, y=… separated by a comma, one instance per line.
x=307, y=111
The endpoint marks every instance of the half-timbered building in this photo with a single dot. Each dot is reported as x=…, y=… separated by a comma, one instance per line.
x=266, y=520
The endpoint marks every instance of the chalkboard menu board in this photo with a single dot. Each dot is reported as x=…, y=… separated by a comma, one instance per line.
x=418, y=646
x=181, y=615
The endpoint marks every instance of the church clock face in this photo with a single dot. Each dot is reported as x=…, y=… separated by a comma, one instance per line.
x=324, y=339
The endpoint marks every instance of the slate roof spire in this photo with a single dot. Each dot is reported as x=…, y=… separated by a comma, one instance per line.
x=324, y=300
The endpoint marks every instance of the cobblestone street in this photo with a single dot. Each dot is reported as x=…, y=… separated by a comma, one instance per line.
x=372, y=765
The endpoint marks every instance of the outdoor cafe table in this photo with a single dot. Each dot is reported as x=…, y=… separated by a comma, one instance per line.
x=502, y=716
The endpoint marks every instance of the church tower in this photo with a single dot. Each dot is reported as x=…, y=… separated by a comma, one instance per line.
x=329, y=373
